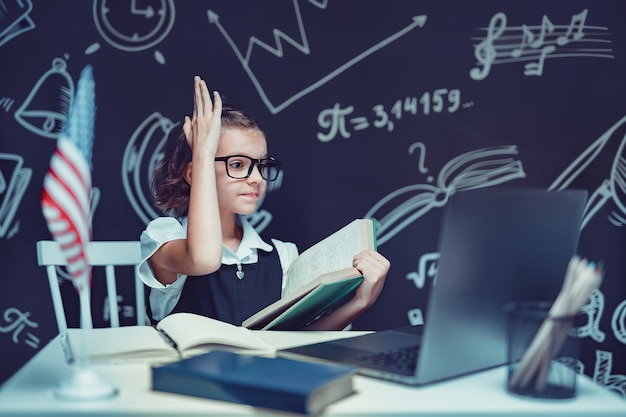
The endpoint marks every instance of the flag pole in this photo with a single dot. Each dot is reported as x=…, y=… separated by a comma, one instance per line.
x=66, y=206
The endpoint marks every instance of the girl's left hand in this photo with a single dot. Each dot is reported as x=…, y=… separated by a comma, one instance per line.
x=374, y=268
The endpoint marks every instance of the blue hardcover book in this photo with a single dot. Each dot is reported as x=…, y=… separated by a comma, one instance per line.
x=268, y=382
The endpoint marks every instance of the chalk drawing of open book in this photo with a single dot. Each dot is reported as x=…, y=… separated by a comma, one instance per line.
x=483, y=167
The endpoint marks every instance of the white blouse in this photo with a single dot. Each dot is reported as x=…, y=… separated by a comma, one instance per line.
x=163, y=298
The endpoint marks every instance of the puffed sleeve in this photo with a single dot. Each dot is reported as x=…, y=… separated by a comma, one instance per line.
x=159, y=231
x=163, y=298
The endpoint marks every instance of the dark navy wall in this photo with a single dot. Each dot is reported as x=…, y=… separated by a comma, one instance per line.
x=378, y=109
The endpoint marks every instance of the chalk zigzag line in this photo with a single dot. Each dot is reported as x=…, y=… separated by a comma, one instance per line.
x=302, y=46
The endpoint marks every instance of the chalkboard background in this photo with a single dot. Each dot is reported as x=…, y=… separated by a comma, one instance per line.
x=378, y=109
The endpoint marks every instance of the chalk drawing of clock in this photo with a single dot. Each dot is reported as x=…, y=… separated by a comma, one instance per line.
x=133, y=25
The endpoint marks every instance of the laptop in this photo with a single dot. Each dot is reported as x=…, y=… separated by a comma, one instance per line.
x=497, y=245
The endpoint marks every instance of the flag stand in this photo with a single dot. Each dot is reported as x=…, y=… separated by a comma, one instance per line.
x=84, y=383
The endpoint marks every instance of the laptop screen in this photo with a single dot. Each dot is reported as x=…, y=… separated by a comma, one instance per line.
x=497, y=245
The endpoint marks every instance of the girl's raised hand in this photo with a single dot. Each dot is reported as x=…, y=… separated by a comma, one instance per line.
x=202, y=130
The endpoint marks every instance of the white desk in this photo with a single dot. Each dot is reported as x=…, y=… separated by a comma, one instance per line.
x=30, y=392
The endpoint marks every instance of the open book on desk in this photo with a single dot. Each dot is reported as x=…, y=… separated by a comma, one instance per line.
x=179, y=335
x=319, y=280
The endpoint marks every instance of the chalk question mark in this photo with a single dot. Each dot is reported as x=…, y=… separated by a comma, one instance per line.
x=422, y=155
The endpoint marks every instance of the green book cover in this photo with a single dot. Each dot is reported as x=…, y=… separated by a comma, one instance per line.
x=323, y=300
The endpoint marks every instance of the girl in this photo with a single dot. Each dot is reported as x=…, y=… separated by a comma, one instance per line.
x=208, y=260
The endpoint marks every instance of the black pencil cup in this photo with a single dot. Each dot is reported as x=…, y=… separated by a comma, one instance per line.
x=542, y=353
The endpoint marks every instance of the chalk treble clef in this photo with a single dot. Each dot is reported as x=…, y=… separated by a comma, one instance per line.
x=485, y=52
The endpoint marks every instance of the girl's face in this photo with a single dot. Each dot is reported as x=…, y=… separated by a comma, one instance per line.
x=240, y=196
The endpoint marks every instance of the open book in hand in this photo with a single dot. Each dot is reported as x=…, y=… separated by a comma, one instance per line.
x=177, y=336
x=320, y=279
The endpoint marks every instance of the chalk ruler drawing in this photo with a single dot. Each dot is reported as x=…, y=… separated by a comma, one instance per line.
x=302, y=45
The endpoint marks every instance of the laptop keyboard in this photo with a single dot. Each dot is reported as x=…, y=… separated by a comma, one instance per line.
x=402, y=360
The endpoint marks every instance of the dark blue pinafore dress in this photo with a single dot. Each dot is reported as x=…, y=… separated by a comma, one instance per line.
x=223, y=296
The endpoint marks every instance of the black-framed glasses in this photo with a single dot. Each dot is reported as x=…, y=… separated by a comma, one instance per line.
x=241, y=166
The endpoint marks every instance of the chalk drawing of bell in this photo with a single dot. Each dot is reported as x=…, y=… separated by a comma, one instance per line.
x=45, y=109
x=14, y=19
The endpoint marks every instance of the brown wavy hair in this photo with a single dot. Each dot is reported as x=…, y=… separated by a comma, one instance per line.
x=169, y=188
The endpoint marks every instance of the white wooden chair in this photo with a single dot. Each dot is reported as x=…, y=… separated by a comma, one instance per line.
x=108, y=254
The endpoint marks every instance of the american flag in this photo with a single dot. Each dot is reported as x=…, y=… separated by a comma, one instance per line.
x=66, y=191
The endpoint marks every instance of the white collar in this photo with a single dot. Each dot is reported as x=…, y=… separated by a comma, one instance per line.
x=251, y=238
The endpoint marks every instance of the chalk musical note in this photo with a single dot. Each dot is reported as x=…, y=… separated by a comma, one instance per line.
x=546, y=27
x=536, y=68
x=485, y=52
x=577, y=24
x=528, y=37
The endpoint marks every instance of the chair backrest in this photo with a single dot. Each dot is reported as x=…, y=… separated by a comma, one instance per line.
x=108, y=254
